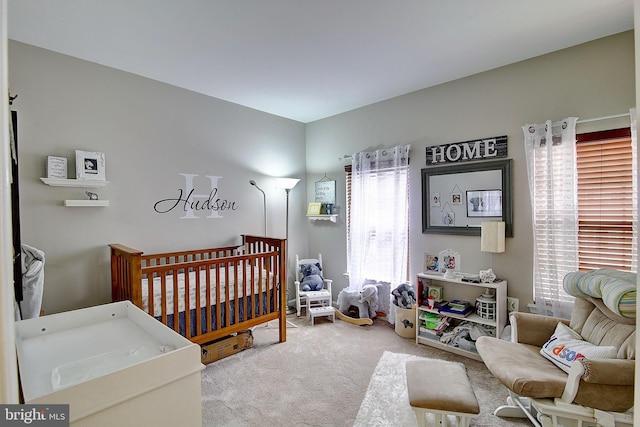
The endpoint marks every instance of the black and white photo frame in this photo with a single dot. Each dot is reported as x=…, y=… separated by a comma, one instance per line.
x=484, y=203
x=90, y=166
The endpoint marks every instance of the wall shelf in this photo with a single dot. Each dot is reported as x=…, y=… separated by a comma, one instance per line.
x=86, y=203
x=332, y=217
x=59, y=182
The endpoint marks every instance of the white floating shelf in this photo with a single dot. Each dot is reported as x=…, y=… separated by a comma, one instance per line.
x=332, y=217
x=88, y=203
x=59, y=182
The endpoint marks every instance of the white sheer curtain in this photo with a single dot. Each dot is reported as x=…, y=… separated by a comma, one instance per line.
x=551, y=165
x=379, y=217
x=634, y=165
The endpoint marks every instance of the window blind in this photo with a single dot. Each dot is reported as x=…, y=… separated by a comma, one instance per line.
x=605, y=200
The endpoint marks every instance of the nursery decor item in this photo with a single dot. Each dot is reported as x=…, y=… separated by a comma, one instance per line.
x=311, y=277
x=56, y=167
x=90, y=165
x=486, y=305
x=321, y=293
x=449, y=259
x=487, y=276
x=365, y=301
x=485, y=188
x=405, y=322
x=404, y=295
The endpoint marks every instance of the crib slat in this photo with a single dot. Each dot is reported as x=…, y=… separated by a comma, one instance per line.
x=187, y=302
x=163, y=297
x=197, y=307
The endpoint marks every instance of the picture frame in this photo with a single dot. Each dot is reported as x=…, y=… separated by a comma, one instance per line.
x=90, y=166
x=456, y=199
x=448, y=219
x=314, y=208
x=449, y=259
x=484, y=203
x=56, y=167
x=435, y=199
x=325, y=191
x=446, y=180
x=431, y=262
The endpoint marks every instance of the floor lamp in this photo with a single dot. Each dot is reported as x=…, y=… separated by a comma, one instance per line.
x=288, y=184
x=264, y=199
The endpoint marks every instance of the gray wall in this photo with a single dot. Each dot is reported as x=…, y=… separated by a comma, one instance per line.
x=591, y=80
x=150, y=133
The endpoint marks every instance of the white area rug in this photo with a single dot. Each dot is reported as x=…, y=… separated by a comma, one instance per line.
x=386, y=402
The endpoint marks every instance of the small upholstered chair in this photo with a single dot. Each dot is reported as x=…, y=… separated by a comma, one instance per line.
x=301, y=296
x=591, y=387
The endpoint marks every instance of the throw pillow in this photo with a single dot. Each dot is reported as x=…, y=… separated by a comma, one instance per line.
x=566, y=345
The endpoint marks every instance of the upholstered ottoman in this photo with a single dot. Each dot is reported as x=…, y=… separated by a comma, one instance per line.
x=442, y=388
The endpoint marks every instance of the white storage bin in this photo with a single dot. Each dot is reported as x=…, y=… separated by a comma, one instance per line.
x=113, y=364
x=405, y=322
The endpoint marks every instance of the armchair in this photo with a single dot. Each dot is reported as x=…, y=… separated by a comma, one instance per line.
x=301, y=296
x=594, y=391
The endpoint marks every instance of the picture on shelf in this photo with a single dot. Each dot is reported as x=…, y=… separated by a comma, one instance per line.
x=314, y=208
x=90, y=166
x=449, y=260
x=56, y=167
x=430, y=262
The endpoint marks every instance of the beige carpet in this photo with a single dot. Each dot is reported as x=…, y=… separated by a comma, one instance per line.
x=320, y=376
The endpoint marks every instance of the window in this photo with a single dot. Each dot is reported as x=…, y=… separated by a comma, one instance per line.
x=583, y=197
x=605, y=200
x=378, y=219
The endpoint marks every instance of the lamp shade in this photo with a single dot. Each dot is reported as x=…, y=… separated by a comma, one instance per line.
x=287, y=183
x=492, y=236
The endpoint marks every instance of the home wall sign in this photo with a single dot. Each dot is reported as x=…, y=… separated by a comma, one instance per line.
x=190, y=202
x=479, y=149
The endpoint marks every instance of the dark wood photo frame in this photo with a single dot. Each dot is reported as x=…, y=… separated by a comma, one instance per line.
x=465, y=176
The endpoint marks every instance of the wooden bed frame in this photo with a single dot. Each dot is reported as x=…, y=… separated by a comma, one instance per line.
x=129, y=267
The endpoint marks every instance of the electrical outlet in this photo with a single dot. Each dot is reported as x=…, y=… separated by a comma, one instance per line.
x=512, y=304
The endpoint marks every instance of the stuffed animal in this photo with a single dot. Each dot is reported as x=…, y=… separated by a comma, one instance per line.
x=404, y=296
x=365, y=301
x=311, y=277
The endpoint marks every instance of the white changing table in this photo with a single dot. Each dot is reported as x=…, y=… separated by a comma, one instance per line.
x=113, y=364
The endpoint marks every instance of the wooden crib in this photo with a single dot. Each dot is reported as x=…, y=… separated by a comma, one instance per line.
x=206, y=294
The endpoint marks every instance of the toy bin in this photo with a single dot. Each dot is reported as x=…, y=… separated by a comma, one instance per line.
x=405, y=322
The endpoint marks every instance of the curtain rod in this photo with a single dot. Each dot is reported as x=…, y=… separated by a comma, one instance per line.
x=615, y=116
x=595, y=119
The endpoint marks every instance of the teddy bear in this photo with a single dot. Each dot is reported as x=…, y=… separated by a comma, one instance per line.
x=311, y=277
x=365, y=301
x=404, y=295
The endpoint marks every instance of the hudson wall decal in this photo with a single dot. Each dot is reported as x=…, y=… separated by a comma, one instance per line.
x=190, y=202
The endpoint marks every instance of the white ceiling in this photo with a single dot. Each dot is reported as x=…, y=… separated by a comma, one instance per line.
x=310, y=59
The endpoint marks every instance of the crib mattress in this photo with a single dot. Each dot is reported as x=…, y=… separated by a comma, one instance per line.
x=256, y=275
x=113, y=364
